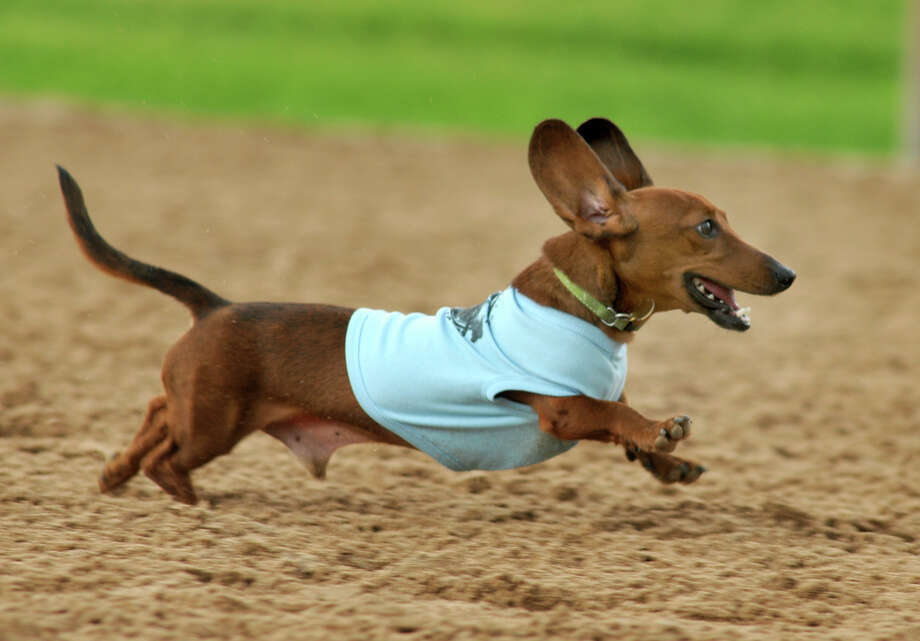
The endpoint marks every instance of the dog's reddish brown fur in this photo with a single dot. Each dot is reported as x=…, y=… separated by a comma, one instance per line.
x=280, y=368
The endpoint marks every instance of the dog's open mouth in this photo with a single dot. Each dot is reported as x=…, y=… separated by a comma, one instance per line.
x=718, y=301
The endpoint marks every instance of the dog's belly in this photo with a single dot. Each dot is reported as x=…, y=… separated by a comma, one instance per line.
x=313, y=440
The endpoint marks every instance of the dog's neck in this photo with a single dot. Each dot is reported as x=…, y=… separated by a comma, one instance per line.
x=588, y=264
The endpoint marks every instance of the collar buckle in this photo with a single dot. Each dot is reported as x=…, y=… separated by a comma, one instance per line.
x=618, y=320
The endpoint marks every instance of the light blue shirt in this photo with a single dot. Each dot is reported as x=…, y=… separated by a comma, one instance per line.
x=435, y=380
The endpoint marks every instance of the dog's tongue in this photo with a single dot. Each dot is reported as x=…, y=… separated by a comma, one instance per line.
x=727, y=295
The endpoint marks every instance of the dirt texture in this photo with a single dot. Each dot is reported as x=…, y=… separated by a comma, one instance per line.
x=806, y=526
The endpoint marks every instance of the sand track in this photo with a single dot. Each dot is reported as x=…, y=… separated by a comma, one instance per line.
x=807, y=525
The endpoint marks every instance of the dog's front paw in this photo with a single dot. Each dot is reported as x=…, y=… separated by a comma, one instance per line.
x=671, y=431
x=666, y=468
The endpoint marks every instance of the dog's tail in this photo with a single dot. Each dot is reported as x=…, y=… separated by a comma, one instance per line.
x=199, y=300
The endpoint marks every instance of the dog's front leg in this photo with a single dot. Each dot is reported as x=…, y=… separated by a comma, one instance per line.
x=581, y=417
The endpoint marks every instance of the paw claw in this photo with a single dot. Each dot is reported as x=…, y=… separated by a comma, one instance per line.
x=693, y=473
x=681, y=427
x=662, y=442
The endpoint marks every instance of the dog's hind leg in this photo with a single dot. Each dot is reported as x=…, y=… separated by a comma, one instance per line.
x=161, y=468
x=124, y=465
x=200, y=430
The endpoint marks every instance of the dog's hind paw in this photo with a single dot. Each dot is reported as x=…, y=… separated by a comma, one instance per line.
x=671, y=431
x=116, y=472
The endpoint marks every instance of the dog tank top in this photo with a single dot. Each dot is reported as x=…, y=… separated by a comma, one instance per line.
x=435, y=380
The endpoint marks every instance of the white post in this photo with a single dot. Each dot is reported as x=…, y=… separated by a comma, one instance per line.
x=912, y=84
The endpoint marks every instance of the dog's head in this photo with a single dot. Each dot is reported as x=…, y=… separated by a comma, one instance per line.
x=669, y=246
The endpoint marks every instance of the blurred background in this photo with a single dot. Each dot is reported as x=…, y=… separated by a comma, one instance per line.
x=825, y=75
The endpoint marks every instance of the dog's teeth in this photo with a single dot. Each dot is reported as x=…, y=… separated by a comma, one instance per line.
x=744, y=314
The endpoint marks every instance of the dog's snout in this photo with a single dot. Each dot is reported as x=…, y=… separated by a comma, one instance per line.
x=783, y=276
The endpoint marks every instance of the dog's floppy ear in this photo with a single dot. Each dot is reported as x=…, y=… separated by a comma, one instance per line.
x=610, y=145
x=576, y=183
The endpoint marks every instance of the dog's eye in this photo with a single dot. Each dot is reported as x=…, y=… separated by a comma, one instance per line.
x=707, y=229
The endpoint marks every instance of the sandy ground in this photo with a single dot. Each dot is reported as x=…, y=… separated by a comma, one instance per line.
x=807, y=525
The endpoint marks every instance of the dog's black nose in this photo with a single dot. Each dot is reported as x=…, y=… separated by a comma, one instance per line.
x=784, y=277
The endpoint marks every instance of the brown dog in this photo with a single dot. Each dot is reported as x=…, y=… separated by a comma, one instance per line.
x=282, y=368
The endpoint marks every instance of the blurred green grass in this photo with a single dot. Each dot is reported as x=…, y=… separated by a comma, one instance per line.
x=820, y=75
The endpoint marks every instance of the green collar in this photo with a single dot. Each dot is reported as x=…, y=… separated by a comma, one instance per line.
x=608, y=315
